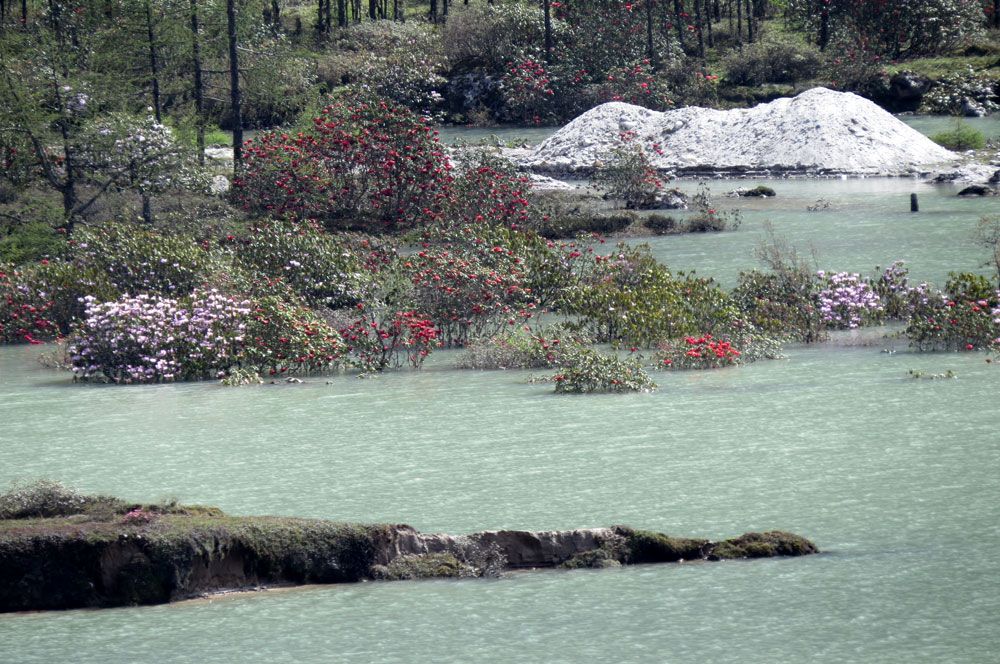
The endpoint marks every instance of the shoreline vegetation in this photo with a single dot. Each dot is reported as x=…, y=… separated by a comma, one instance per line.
x=61, y=550
x=345, y=237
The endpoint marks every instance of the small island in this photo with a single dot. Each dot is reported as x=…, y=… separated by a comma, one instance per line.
x=63, y=550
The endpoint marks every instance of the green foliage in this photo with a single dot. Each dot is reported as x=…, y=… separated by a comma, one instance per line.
x=627, y=175
x=138, y=259
x=707, y=218
x=586, y=370
x=323, y=268
x=771, y=62
x=628, y=298
x=426, y=566
x=644, y=546
x=964, y=319
x=30, y=240
x=47, y=498
x=44, y=299
x=762, y=545
x=960, y=138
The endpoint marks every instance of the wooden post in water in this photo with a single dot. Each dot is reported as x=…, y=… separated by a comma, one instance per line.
x=914, y=207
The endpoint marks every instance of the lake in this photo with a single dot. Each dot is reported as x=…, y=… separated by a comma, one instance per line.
x=894, y=478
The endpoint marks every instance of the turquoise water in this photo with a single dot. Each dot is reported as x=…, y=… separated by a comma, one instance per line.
x=894, y=478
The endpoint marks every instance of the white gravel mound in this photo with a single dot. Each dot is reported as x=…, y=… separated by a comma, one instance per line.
x=818, y=132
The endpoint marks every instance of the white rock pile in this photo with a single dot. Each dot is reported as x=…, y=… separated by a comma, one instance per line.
x=818, y=132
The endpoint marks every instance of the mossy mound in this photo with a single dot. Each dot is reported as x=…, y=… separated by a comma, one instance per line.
x=762, y=545
x=69, y=563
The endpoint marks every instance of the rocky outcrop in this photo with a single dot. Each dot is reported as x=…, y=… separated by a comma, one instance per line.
x=60, y=564
x=818, y=132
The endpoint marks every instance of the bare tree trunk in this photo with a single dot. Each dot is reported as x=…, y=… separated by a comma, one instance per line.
x=650, y=54
x=199, y=87
x=235, y=94
x=547, y=6
x=708, y=22
x=698, y=25
x=678, y=10
x=154, y=72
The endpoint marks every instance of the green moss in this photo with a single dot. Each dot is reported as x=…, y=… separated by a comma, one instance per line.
x=762, y=545
x=644, y=546
x=597, y=558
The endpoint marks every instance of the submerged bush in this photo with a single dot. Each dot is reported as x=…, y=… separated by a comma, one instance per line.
x=847, y=301
x=627, y=175
x=148, y=339
x=588, y=371
x=965, y=317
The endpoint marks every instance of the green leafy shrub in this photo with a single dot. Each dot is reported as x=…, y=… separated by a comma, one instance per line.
x=627, y=175
x=964, y=319
x=30, y=241
x=707, y=219
x=589, y=371
x=138, y=259
x=628, y=298
x=960, y=138
x=762, y=545
x=771, y=62
x=323, y=268
x=661, y=224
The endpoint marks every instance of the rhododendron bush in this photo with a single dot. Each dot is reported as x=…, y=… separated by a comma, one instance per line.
x=376, y=166
x=148, y=338
x=366, y=160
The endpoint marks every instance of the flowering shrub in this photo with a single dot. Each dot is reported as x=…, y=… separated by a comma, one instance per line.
x=847, y=301
x=742, y=345
x=626, y=174
x=379, y=339
x=139, y=517
x=41, y=300
x=138, y=153
x=953, y=91
x=968, y=319
x=470, y=293
x=633, y=83
x=897, y=296
x=370, y=160
x=148, y=338
x=702, y=352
